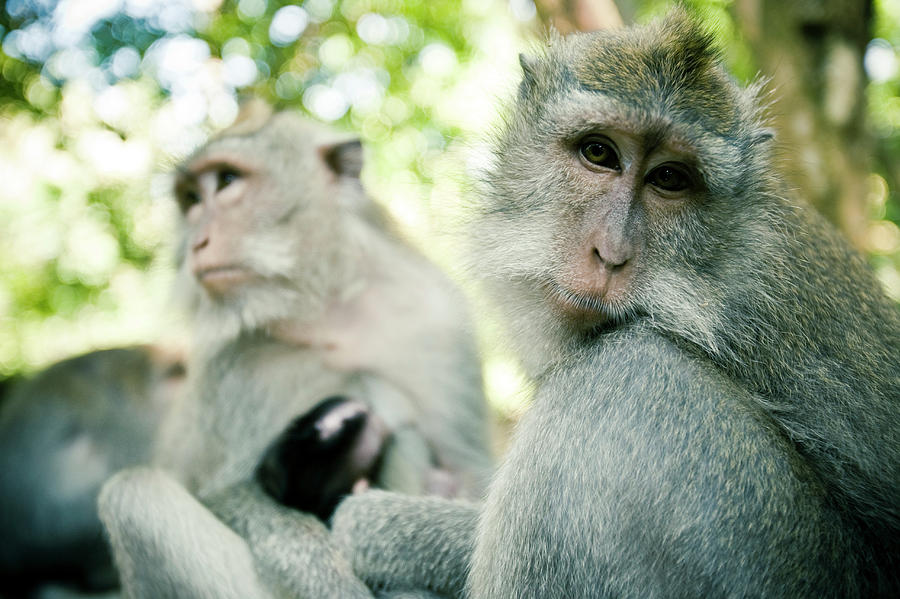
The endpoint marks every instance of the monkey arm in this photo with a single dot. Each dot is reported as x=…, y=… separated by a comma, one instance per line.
x=293, y=550
x=399, y=542
x=166, y=544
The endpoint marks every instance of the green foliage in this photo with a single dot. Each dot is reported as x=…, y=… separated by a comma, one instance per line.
x=98, y=102
x=94, y=105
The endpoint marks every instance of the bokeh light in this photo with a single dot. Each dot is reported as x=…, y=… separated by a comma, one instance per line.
x=105, y=96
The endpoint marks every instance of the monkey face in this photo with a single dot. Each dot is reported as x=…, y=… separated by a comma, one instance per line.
x=215, y=199
x=264, y=214
x=618, y=186
x=614, y=189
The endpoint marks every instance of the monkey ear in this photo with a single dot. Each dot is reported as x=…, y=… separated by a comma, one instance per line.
x=529, y=70
x=253, y=114
x=345, y=159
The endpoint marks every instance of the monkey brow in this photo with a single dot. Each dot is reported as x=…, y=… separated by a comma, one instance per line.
x=600, y=112
x=213, y=161
x=653, y=132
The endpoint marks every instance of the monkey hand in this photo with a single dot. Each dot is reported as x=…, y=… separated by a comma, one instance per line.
x=279, y=538
x=399, y=542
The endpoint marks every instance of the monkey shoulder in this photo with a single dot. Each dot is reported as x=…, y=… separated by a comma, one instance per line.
x=642, y=458
x=673, y=409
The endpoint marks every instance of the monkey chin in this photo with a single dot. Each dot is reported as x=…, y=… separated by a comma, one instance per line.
x=585, y=312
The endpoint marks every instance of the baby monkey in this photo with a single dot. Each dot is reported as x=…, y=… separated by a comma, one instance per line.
x=324, y=455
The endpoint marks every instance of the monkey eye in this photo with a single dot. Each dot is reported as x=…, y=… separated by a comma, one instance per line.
x=600, y=153
x=225, y=177
x=188, y=198
x=669, y=178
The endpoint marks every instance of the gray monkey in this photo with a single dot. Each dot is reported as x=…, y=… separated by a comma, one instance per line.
x=63, y=432
x=717, y=411
x=301, y=291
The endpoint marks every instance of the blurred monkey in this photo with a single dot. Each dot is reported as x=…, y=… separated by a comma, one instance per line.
x=63, y=432
x=301, y=291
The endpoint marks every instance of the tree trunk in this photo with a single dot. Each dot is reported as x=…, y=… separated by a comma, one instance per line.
x=813, y=52
x=567, y=16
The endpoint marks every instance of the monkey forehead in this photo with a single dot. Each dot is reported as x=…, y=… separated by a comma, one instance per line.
x=668, y=67
x=286, y=136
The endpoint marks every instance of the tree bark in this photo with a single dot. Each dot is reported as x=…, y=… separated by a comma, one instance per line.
x=813, y=52
x=567, y=16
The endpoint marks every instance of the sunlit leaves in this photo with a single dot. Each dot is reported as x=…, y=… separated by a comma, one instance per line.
x=126, y=87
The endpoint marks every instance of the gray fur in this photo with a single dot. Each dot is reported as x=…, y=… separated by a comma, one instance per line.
x=406, y=543
x=731, y=427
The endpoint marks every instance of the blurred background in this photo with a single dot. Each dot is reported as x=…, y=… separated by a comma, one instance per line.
x=99, y=99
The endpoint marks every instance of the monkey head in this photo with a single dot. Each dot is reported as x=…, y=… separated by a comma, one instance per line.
x=265, y=209
x=323, y=455
x=620, y=149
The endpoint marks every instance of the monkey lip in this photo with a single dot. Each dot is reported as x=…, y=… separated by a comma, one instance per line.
x=587, y=308
x=219, y=279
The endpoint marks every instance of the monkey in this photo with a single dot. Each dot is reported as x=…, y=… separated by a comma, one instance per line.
x=323, y=456
x=300, y=289
x=716, y=370
x=63, y=432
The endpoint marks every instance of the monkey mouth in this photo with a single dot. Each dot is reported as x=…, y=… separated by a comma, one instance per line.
x=220, y=279
x=582, y=308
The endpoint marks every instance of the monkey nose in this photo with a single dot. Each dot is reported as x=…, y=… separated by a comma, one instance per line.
x=611, y=260
x=200, y=242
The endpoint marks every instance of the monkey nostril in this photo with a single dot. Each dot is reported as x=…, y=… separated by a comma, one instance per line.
x=201, y=243
x=611, y=261
x=617, y=264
